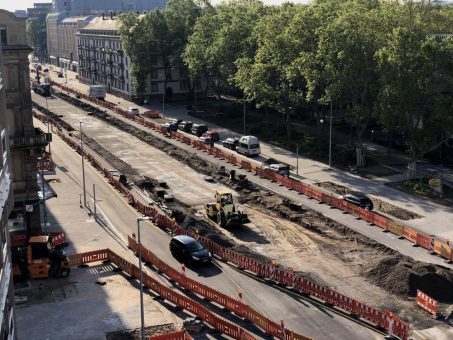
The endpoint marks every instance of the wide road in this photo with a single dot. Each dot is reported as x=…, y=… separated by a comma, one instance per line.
x=388, y=239
x=299, y=314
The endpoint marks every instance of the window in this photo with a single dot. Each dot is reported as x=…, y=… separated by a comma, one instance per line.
x=153, y=59
x=154, y=87
x=3, y=37
x=154, y=74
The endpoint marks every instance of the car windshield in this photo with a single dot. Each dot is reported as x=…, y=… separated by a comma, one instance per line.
x=254, y=146
x=227, y=199
x=194, y=246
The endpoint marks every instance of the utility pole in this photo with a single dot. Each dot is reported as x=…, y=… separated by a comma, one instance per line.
x=83, y=166
x=330, y=136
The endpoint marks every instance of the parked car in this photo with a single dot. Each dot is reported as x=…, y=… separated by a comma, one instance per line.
x=171, y=125
x=214, y=135
x=359, y=199
x=133, y=110
x=206, y=140
x=199, y=129
x=185, y=126
x=176, y=121
x=230, y=143
x=281, y=169
x=188, y=250
x=60, y=75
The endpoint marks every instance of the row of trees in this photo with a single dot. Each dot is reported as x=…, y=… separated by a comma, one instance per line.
x=374, y=60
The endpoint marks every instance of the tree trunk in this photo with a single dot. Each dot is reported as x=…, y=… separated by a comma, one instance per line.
x=412, y=170
x=360, y=154
x=288, y=126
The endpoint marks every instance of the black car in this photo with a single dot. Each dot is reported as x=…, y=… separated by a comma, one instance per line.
x=199, y=129
x=60, y=75
x=185, y=126
x=230, y=143
x=359, y=199
x=172, y=126
x=188, y=250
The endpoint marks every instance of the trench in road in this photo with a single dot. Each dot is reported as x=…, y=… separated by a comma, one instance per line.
x=302, y=316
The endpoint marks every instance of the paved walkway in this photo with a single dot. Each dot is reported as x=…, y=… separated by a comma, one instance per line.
x=437, y=219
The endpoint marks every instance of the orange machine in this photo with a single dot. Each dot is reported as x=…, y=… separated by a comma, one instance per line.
x=40, y=260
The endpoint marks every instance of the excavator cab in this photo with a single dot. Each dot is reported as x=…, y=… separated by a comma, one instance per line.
x=42, y=260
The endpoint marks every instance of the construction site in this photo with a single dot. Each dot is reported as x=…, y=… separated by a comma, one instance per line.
x=287, y=263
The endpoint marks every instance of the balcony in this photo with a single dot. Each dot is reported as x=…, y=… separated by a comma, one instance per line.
x=40, y=139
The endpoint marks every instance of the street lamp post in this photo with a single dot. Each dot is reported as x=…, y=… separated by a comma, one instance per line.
x=48, y=122
x=142, y=315
x=244, y=117
x=330, y=136
x=83, y=166
x=163, y=96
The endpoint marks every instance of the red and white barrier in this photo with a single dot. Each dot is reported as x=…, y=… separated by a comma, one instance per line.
x=427, y=303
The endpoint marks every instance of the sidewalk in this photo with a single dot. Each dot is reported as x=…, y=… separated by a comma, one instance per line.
x=437, y=220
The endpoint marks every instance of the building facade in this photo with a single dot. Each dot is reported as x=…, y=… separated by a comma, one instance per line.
x=84, y=7
x=103, y=61
x=61, y=39
x=26, y=142
x=36, y=29
x=7, y=327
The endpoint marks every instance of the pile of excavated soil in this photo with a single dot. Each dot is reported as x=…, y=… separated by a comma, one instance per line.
x=54, y=116
x=403, y=276
x=379, y=205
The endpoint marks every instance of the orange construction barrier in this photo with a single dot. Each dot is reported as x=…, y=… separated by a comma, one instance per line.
x=427, y=302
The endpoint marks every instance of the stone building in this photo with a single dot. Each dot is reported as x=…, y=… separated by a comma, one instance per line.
x=61, y=40
x=26, y=142
x=103, y=61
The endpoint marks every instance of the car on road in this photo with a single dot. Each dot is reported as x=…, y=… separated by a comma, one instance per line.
x=188, y=250
x=176, y=121
x=199, y=129
x=185, y=125
x=230, y=143
x=281, y=169
x=214, y=135
x=133, y=110
x=248, y=146
x=359, y=199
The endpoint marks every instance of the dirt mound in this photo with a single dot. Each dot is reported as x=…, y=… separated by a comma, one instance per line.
x=403, y=276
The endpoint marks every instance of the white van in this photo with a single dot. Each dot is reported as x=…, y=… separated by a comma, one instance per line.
x=249, y=146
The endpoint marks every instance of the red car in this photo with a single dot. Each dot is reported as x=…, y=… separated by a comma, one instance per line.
x=213, y=135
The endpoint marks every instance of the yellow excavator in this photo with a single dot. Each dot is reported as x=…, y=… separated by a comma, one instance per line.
x=39, y=259
x=223, y=210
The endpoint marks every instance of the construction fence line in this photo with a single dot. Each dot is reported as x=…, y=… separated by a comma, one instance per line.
x=233, y=305
x=382, y=319
x=427, y=303
x=434, y=245
x=166, y=293
x=181, y=335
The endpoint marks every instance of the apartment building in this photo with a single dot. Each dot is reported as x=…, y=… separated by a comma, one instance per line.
x=26, y=142
x=61, y=40
x=101, y=56
x=103, y=61
x=7, y=326
x=84, y=7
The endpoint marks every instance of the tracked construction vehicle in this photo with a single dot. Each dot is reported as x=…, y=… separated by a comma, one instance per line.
x=224, y=212
x=39, y=259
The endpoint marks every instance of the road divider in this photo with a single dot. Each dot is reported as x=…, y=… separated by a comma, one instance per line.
x=381, y=319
